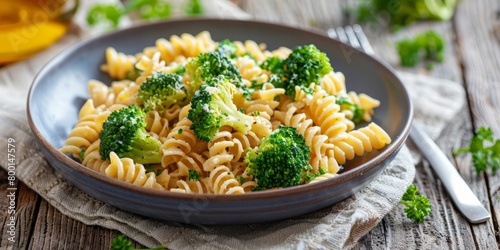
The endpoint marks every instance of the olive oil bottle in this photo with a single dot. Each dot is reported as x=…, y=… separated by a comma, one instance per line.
x=28, y=26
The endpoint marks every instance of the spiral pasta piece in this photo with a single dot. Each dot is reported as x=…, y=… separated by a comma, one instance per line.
x=100, y=93
x=118, y=64
x=323, y=177
x=333, y=83
x=185, y=45
x=192, y=161
x=360, y=141
x=92, y=158
x=249, y=70
x=179, y=142
x=223, y=181
x=157, y=125
x=218, y=151
x=84, y=133
x=365, y=102
x=256, y=51
x=326, y=114
x=192, y=187
x=124, y=169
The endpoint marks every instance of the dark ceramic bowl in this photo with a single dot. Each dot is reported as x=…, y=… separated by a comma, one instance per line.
x=60, y=89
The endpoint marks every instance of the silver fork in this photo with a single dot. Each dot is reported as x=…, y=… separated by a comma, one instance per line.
x=461, y=194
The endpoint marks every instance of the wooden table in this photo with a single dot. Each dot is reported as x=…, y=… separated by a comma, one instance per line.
x=472, y=58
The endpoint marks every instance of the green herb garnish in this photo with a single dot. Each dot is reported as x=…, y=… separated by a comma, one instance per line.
x=483, y=155
x=417, y=206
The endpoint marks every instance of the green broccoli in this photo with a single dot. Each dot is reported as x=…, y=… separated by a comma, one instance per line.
x=433, y=44
x=227, y=48
x=403, y=12
x=209, y=65
x=206, y=66
x=429, y=44
x=121, y=242
x=357, y=112
x=212, y=107
x=124, y=132
x=280, y=160
x=160, y=91
x=305, y=65
x=273, y=64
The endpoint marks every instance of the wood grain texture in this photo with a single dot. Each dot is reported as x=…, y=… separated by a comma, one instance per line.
x=479, y=41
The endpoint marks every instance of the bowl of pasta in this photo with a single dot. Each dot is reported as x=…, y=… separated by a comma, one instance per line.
x=212, y=121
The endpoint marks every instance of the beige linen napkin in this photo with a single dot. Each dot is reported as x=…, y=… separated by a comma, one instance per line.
x=335, y=227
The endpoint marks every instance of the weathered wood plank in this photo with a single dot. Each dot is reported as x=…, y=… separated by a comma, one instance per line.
x=477, y=36
x=322, y=14
x=25, y=211
x=4, y=214
x=54, y=230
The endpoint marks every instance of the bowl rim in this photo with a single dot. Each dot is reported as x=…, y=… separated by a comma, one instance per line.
x=265, y=194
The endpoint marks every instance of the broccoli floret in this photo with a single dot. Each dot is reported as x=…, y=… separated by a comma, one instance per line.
x=227, y=48
x=212, y=107
x=280, y=160
x=306, y=64
x=427, y=44
x=124, y=132
x=273, y=64
x=403, y=12
x=409, y=52
x=357, y=112
x=206, y=66
x=160, y=91
x=133, y=74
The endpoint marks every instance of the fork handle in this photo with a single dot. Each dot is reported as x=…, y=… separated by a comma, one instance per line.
x=461, y=194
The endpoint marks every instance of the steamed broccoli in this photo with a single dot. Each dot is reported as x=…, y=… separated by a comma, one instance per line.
x=357, y=112
x=227, y=48
x=280, y=160
x=403, y=12
x=274, y=65
x=209, y=65
x=212, y=107
x=306, y=64
x=160, y=91
x=428, y=44
x=206, y=66
x=125, y=134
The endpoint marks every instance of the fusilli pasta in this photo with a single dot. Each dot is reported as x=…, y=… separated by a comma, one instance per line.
x=324, y=115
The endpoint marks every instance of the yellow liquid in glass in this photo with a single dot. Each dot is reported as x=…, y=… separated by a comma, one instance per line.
x=28, y=26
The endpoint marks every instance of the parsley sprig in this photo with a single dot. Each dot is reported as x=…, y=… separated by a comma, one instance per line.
x=417, y=206
x=485, y=150
x=121, y=242
x=146, y=9
x=427, y=45
x=400, y=13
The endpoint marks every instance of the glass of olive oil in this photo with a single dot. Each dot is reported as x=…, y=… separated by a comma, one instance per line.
x=28, y=26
